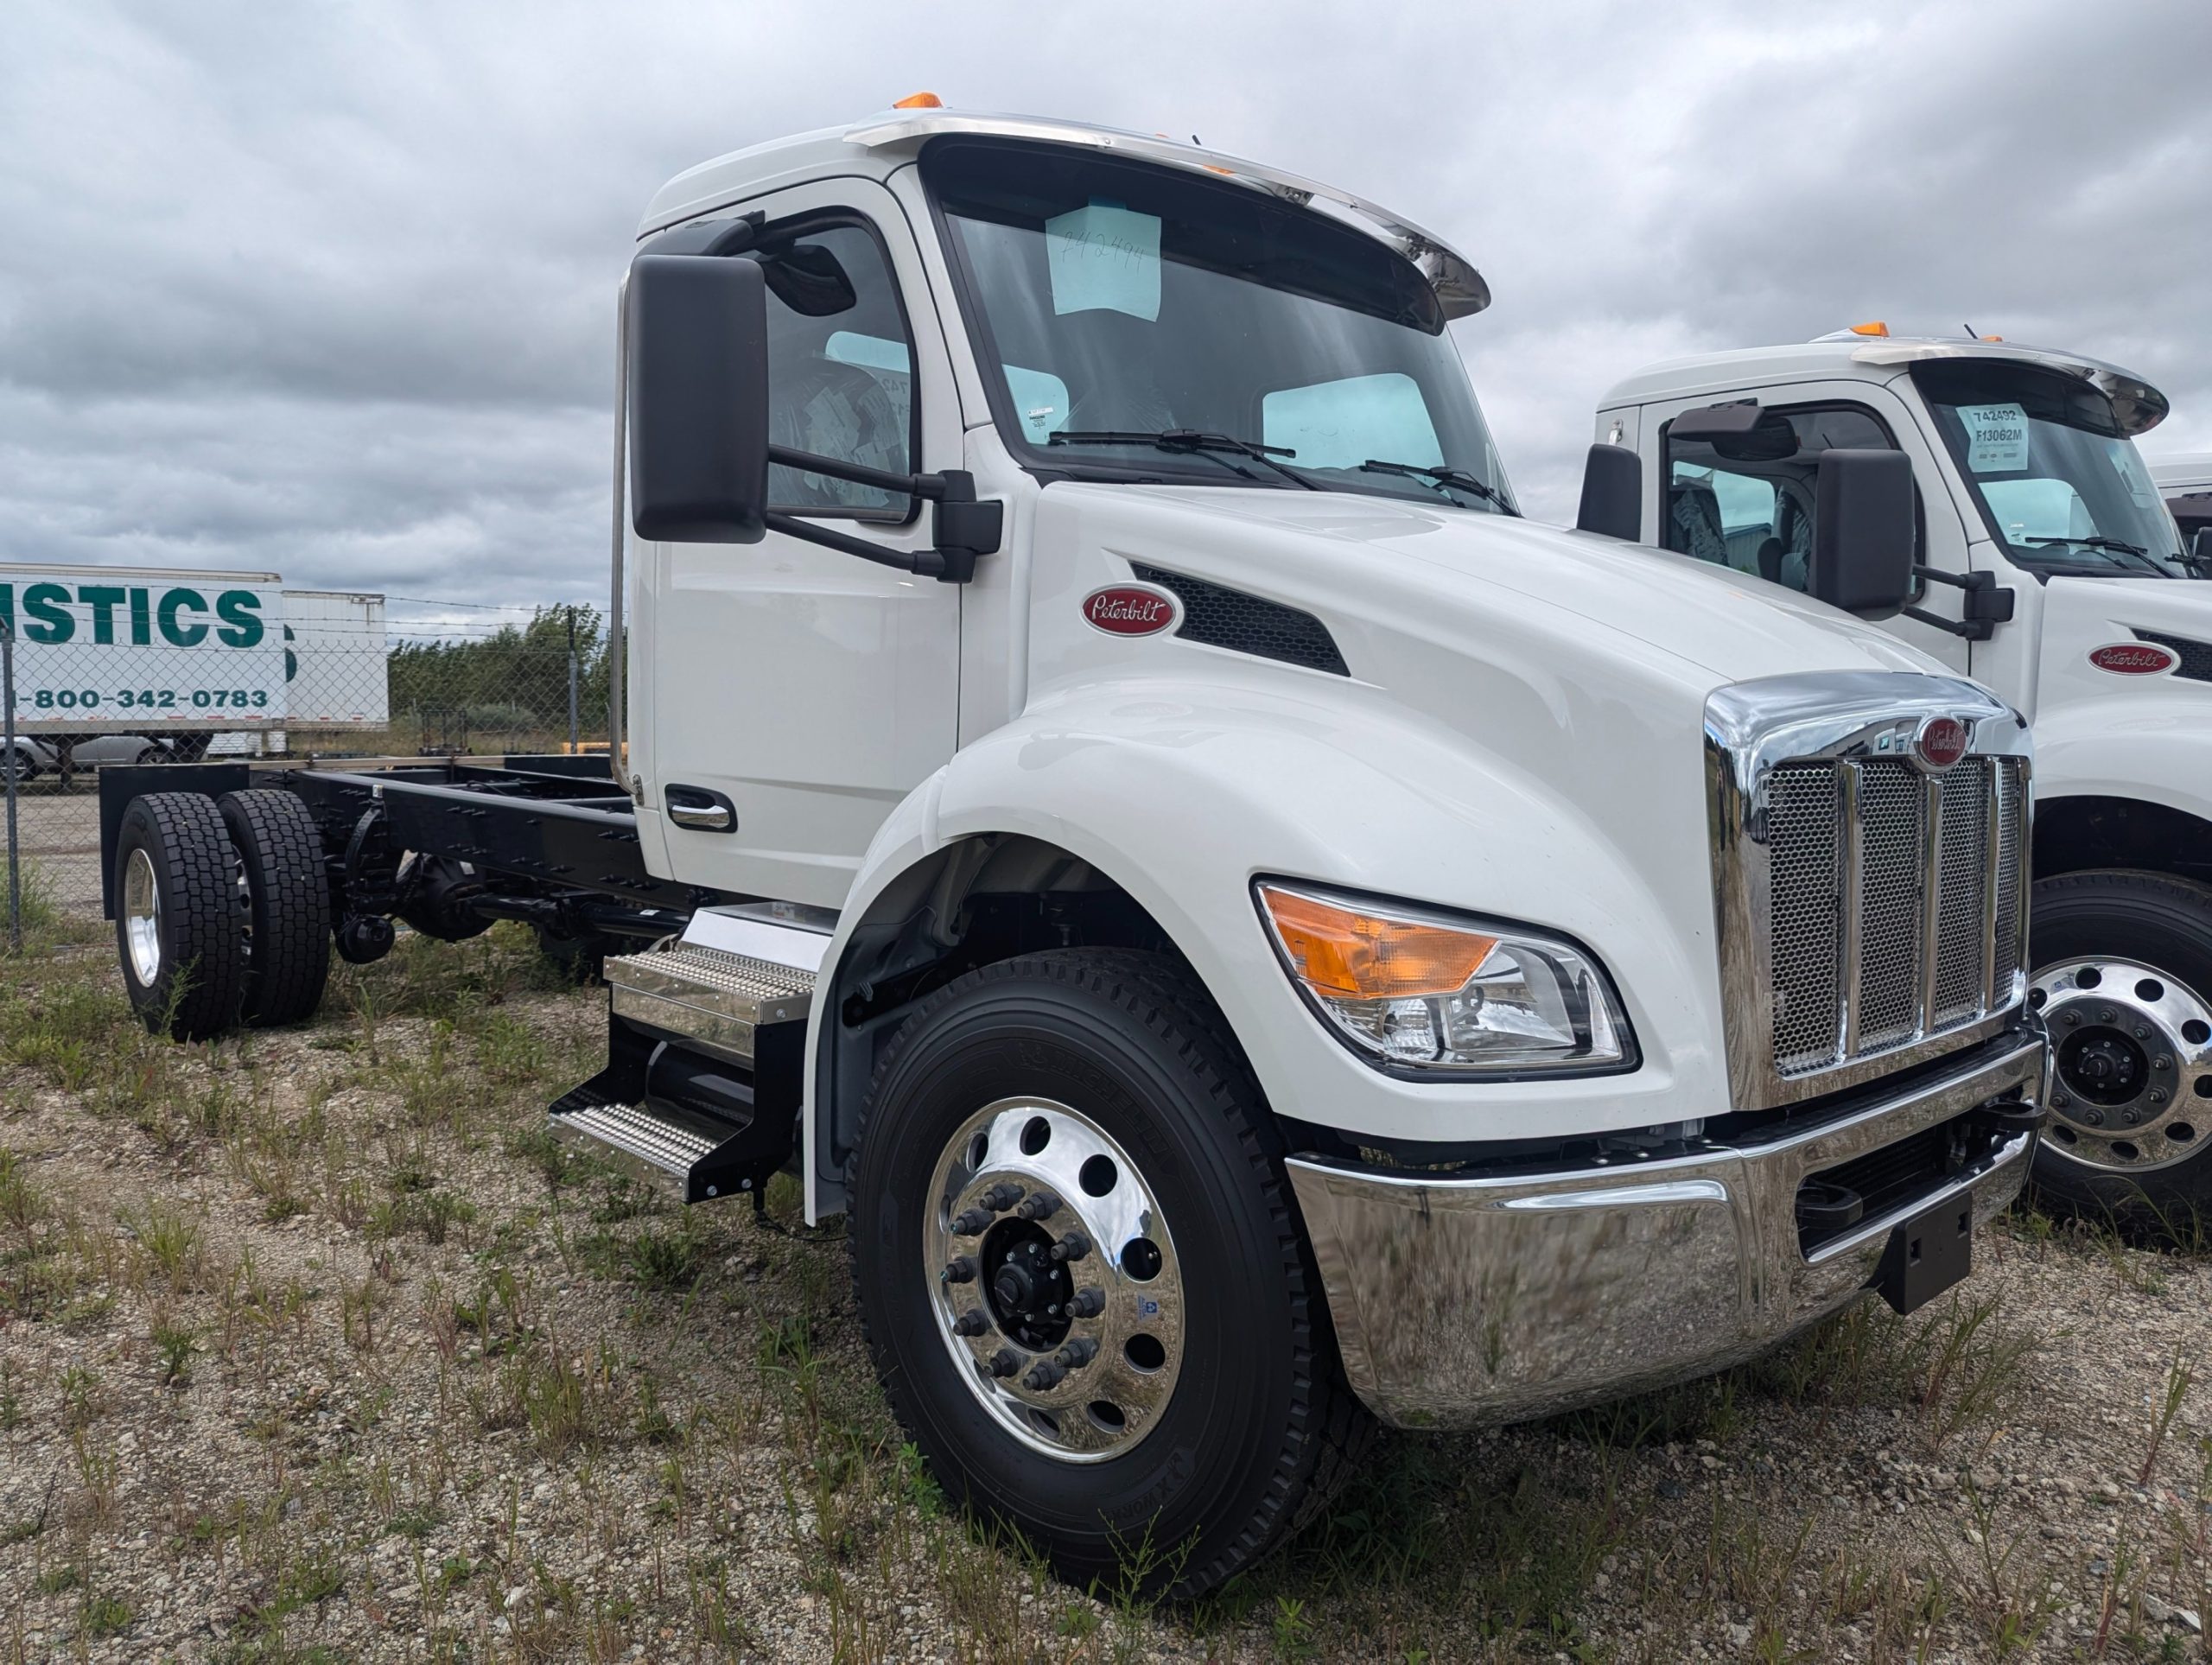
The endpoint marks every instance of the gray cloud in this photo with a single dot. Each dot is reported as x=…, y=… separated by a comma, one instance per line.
x=328, y=288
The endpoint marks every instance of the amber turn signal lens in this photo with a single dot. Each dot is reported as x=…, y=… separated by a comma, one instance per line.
x=1341, y=953
x=919, y=101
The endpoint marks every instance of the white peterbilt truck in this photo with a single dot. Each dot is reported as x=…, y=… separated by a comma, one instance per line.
x=2052, y=573
x=1257, y=937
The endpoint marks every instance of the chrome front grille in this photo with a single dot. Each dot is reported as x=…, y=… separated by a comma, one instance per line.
x=1871, y=907
x=1854, y=848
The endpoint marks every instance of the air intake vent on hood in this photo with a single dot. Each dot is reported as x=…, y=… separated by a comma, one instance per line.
x=2195, y=657
x=1249, y=624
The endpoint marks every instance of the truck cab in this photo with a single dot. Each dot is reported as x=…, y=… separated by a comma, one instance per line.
x=2050, y=571
x=1257, y=937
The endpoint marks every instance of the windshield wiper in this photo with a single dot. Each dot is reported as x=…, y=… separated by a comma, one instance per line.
x=1458, y=479
x=1188, y=440
x=2116, y=545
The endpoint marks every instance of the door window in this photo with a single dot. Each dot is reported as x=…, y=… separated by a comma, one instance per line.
x=841, y=378
x=1742, y=506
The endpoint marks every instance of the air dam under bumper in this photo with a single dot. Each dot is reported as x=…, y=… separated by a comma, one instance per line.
x=1464, y=1301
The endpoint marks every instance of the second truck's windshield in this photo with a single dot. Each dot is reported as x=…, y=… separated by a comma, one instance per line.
x=1123, y=302
x=2056, y=479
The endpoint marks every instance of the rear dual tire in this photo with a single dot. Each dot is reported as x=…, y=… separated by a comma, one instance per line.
x=222, y=911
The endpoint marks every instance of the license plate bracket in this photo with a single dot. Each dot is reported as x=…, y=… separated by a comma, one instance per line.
x=1927, y=1254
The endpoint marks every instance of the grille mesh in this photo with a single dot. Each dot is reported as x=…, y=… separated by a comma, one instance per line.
x=1889, y=890
x=1220, y=617
x=1806, y=924
x=1804, y=916
x=1958, y=923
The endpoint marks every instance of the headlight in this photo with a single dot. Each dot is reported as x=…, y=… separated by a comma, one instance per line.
x=1428, y=991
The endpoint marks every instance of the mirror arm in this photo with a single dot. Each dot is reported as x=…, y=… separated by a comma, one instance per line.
x=1984, y=608
x=963, y=528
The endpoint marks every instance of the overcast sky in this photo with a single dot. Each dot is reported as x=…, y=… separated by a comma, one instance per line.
x=326, y=289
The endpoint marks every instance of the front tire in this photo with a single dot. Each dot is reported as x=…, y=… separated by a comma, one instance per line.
x=177, y=925
x=289, y=894
x=1170, y=1444
x=2124, y=978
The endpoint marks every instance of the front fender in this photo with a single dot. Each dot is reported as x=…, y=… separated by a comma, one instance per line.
x=1183, y=794
x=2154, y=745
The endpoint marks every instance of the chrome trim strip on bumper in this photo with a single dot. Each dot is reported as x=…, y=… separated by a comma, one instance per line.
x=1464, y=1301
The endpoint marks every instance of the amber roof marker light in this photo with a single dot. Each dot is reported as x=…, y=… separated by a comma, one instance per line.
x=919, y=101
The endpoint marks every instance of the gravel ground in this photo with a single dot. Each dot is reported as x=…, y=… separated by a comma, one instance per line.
x=312, y=1345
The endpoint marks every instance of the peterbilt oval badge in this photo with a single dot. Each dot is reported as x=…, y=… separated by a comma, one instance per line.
x=1128, y=610
x=1941, y=742
x=2133, y=658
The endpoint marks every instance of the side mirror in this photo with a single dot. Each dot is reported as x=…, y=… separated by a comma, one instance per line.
x=2199, y=551
x=1738, y=433
x=1864, y=526
x=698, y=399
x=1612, y=494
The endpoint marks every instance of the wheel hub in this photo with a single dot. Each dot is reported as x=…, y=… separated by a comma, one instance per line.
x=142, y=917
x=2131, y=1088
x=1055, y=1280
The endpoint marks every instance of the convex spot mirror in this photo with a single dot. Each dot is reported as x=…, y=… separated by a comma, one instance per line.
x=1864, y=523
x=697, y=329
x=1738, y=433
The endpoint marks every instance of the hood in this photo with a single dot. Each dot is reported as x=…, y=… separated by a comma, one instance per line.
x=1717, y=625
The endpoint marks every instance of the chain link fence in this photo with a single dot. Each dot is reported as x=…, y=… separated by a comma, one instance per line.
x=110, y=665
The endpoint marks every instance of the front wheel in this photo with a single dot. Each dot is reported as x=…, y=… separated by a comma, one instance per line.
x=1083, y=1277
x=2124, y=979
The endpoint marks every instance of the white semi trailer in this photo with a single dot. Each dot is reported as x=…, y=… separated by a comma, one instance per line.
x=1257, y=937
x=2052, y=573
x=200, y=662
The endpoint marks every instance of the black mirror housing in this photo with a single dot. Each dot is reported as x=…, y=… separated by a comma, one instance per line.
x=1864, y=527
x=698, y=399
x=2200, y=549
x=1612, y=494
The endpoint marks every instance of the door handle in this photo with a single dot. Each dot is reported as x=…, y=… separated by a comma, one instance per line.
x=700, y=809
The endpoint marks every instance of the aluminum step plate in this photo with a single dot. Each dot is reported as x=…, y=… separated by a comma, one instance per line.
x=673, y=1148
x=711, y=997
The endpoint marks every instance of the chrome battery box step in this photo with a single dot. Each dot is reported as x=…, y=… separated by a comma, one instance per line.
x=703, y=1084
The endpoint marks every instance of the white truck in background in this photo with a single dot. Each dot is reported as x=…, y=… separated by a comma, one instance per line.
x=2053, y=573
x=2184, y=480
x=1257, y=937
x=194, y=663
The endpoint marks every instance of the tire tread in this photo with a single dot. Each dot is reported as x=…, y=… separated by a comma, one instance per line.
x=275, y=835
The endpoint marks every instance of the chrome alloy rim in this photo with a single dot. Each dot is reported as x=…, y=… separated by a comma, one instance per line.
x=1053, y=1280
x=142, y=917
x=2132, y=1051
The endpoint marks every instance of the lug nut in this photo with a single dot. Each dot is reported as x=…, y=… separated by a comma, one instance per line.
x=2072, y=1016
x=1087, y=1304
x=1073, y=1247
x=1043, y=1377
x=1039, y=1206
x=2105, y=1015
x=2142, y=1032
x=1078, y=1352
x=1001, y=1197
x=961, y=1270
x=2131, y=1117
x=2164, y=1061
x=970, y=1224
x=971, y=1323
x=2059, y=1101
x=2094, y=1118
x=2158, y=1095
x=1003, y=1363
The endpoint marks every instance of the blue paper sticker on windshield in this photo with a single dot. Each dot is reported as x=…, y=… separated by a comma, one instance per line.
x=1103, y=258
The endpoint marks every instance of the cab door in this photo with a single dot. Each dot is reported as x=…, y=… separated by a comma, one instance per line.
x=1754, y=510
x=786, y=696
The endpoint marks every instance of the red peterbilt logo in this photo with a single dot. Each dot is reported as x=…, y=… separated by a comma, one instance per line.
x=1126, y=610
x=2133, y=658
x=1941, y=742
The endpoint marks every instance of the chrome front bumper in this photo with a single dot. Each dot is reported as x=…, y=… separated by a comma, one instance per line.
x=1463, y=1301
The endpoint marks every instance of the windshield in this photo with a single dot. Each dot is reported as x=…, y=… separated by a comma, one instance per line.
x=1146, y=324
x=2058, y=482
